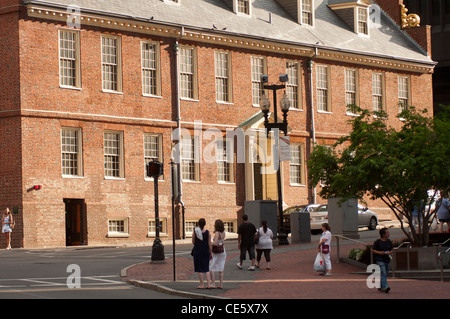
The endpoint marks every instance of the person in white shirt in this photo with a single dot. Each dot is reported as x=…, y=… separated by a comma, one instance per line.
x=264, y=244
x=324, y=247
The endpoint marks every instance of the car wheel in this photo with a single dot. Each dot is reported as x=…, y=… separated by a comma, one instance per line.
x=372, y=223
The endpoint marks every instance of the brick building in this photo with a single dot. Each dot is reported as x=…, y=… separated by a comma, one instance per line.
x=92, y=90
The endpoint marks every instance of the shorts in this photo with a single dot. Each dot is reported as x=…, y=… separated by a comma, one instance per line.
x=446, y=220
x=250, y=250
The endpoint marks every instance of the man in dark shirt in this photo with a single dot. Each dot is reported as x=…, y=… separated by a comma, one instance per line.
x=246, y=242
x=383, y=249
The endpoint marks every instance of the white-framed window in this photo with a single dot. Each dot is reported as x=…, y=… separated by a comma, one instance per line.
x=296, y=164
x=113, y=154
x=152, y=148
x=225, y=163
x=151, y=78
x=111, y=64
x=188, y=74
x=222, y=63
x=323, y=96
x=71, y=151
x=351, y=88
x=242, y=6
x=69, y=59
x=378, y=91
x=362, y=21
x=307, y=12
x=190, y=165
x=189, y=226
x=258, y=65
x=152, y=226
x=403, y=92
x=118, y=227
x=230, y=226
x=293, y=85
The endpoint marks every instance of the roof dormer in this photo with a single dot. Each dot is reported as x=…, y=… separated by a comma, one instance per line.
x=355, y=13
x=301, y=10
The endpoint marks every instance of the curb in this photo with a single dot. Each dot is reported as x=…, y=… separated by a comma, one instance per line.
x=160, y=288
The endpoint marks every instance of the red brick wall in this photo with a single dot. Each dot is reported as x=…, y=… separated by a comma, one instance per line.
x=48, y=108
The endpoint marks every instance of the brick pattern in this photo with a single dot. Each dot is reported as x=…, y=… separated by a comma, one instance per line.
x=31, y=147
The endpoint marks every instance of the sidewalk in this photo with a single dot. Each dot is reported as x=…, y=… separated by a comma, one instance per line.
x=291, y=277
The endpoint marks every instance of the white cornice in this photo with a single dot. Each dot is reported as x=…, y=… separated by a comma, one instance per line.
x=232, y=40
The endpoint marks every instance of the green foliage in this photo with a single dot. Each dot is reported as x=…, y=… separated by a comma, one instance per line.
x=396, y=166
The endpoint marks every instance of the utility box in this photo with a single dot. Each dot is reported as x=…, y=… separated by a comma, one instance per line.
x=259, y=210
x=300, y=227
x=343, y=218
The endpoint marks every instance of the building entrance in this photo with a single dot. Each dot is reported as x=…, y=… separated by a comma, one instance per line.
x=75, y=222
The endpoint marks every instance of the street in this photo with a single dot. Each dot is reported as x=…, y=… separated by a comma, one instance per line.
x=48, y=273
x=44, y=274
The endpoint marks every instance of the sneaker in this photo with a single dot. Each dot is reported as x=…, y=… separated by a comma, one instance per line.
x=387, y=290
x=327, y=274
x=239, y=265
x=251, y=268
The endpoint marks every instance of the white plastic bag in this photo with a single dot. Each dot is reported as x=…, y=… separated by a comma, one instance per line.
x=319, y=264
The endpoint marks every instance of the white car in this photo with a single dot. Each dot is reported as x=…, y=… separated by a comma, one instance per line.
x=366, y=218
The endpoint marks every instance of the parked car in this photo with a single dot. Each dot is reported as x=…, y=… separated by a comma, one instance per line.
x=299, y=208
x=366, y=218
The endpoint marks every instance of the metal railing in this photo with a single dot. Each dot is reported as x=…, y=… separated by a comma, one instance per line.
x=394, y=261
x=351, y=239
x=440, y=257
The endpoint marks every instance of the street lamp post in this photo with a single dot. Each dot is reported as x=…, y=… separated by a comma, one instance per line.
x=265, y=108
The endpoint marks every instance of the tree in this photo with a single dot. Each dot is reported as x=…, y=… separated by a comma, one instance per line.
x=405, y=168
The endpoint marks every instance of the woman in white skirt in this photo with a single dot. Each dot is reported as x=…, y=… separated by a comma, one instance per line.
x=217, y=263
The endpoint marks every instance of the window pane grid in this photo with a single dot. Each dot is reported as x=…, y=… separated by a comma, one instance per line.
x=116, y=226
x=112, y=154
x=350, y=87
x=377, y=92
x=322, y=88
x=222, y=72
x=295, y=165
x=307, y=12
x=70, y=152
x=187, y=73
x=257, y=71
x=109, y=64
x=149, y=65
x=362, y=21
x=243, y=6
x=188, y=165
x=403, y=93
x=224, y=167
x=292, y=84
x=67, y=58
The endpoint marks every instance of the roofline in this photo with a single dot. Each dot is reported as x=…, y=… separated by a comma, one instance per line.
x=228, y=38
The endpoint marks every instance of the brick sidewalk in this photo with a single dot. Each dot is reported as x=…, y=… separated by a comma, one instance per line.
x=291, y=277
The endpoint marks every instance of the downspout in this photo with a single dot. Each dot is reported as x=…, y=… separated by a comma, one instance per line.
x=313, y=125
x=178, y=120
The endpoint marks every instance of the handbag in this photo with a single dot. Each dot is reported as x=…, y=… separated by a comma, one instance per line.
x=218, y=248
x=325, y=249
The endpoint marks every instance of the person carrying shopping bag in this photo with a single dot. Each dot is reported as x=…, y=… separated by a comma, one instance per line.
x=324, y=248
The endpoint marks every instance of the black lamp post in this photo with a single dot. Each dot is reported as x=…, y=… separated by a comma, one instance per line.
x=283, y=126
x=155, y=170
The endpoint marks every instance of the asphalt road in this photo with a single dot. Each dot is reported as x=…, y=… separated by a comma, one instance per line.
x=94, y=272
